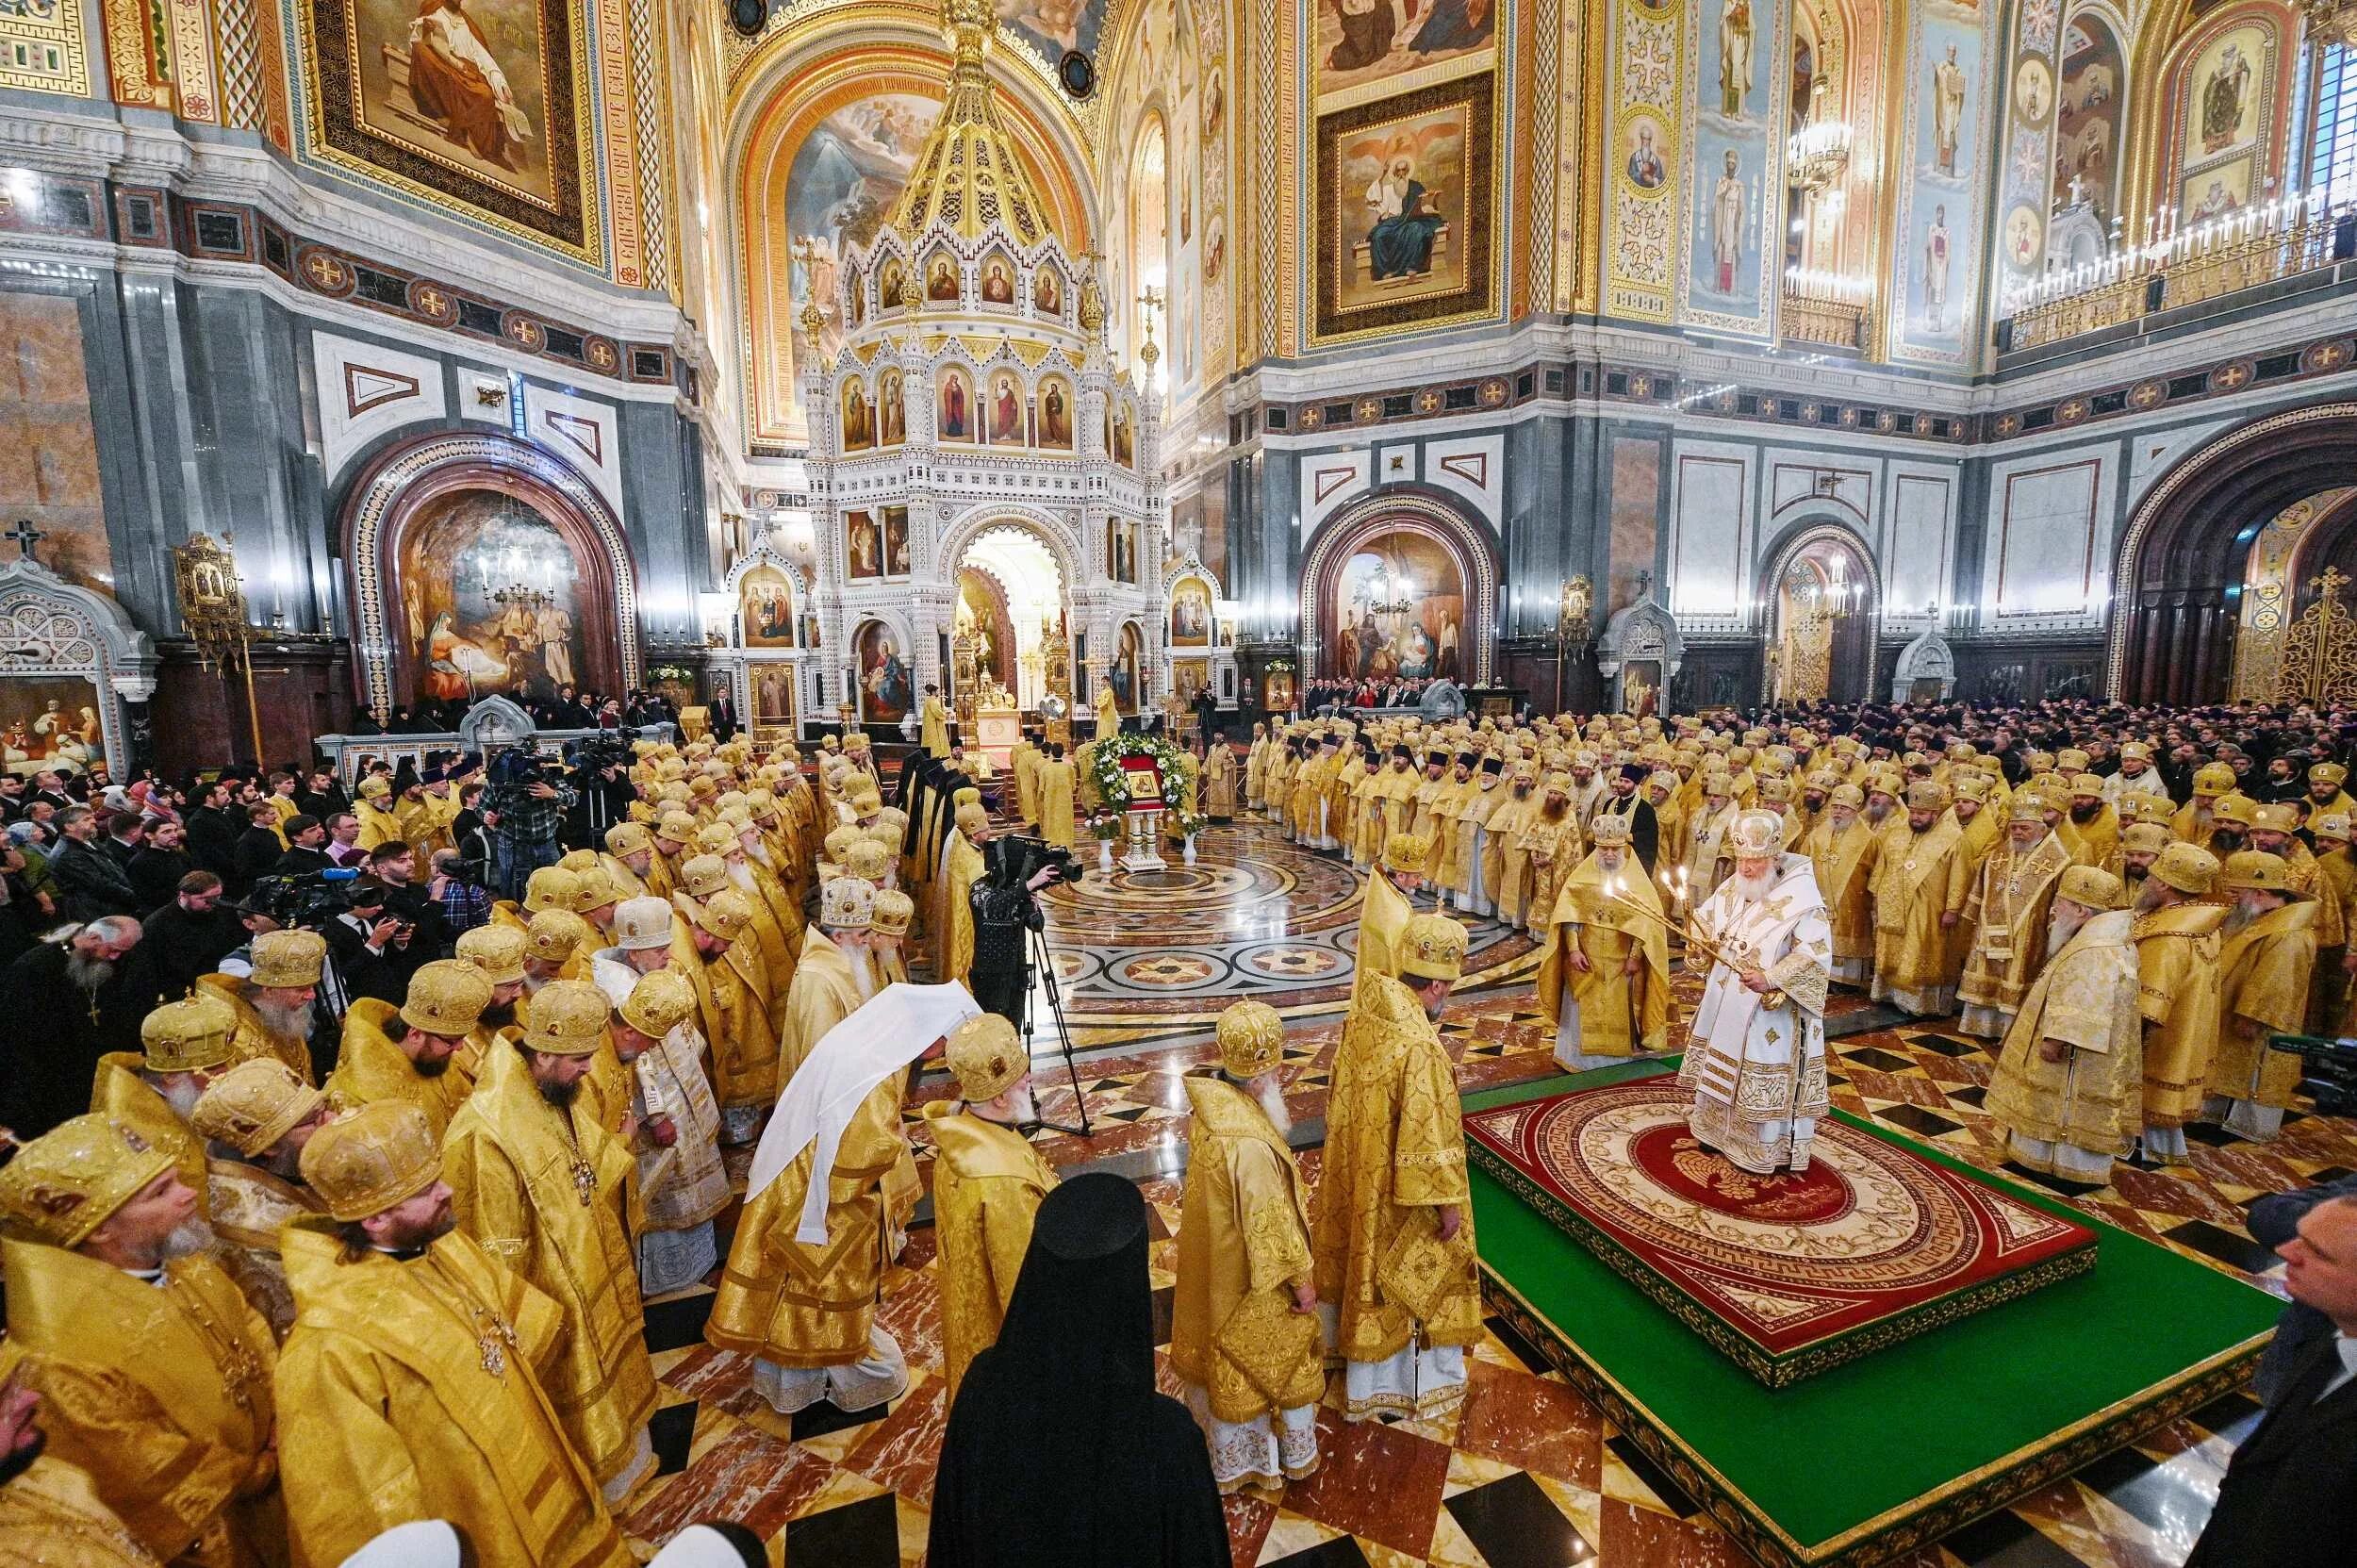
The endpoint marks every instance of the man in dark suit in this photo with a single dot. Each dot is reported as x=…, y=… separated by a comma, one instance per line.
x=721, y=715
x=2289, y=1499
x=213, y=830
x=258, y=848
x=89, y=881
x=160, y=863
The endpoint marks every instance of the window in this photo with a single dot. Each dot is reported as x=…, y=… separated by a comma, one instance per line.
x=2333, y=148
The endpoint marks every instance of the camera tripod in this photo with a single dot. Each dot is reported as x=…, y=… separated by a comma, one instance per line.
x=1063, y=1042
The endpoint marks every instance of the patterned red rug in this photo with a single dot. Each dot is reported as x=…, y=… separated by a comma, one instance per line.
x=1790, y=1275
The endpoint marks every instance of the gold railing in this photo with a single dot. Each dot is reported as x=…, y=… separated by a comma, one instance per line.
x=2207, y=264
x=1812, y=318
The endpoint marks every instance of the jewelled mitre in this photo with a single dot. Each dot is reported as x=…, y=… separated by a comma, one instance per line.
x=1432, y=947
x=499, y=951
x=289, y=960
x=446, y=999
x=986, y=1057
x=1755, y=832
x=363, y=1164
x=253, y=1105
x=569, y=1019
x=1251, y=1039
x=847, y=903
x=188, y=1037
x=892, y=912
x=659, y=1003
x=64, y=1183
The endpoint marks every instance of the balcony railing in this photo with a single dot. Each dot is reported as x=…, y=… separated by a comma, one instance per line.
x=2227, y=256
x=1827, y=308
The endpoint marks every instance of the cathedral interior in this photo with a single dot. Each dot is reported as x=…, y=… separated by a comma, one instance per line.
x=825, y=367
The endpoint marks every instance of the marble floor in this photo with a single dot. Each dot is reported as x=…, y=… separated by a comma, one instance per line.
x=1527, y=1473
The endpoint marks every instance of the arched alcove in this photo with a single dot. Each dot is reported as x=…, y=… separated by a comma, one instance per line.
x=1400, y=584
x=1824, y=601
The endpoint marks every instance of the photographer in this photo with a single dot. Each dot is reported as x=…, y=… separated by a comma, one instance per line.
x=602, y=781
x=522, y=809
x=1006, y=910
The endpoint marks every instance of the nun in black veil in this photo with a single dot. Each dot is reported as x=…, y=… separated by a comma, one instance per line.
x=1058, y=1450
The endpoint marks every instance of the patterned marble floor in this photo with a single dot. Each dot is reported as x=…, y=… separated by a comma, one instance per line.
x=1527, y=1473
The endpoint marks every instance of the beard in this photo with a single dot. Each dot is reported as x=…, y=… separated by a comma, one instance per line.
x=2224, y=842
x=1877, y=814
x=181, y=1092
x=758, y=849
x=741, y=874
x=1023, y=1107
x=18, y=1462
x=1750, y=888
x=560, y=1094
x=291, y=1023
x=1270, y=1096
x=2083, y=814
x=2059, y=931
x=434, y=1068
x=497, y=1016
x=863, y=972
x=2148, y=897
x=2238, y=915
x=411, y=1238
x=88, y=973
x=188, y=1238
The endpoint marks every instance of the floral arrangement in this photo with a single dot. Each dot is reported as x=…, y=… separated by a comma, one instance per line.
x=1192, y=822
x=1103, y=824
x=1112, y=780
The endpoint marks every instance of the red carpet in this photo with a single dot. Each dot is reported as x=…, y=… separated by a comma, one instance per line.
x=1790, y=1275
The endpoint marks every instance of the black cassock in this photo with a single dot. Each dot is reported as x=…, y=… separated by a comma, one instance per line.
x=1059, y=1451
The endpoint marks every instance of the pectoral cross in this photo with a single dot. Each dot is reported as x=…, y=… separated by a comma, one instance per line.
x=586, y=1181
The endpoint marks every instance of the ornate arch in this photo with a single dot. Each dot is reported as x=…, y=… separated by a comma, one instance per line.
x=404, y=478
x=51, y=628
x=895, y=623
x=956, y=535
x=1404, y=509
x=2170, y=637
x=1804, y=533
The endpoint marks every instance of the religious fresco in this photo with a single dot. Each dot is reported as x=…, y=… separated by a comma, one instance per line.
x=1127, y=671
x=862, y=545
x=484, y=103
x=765, y=608
x=1380, y=629
x=844, y=177
x=892, y=424
x=858, y=429
x=1647, y=159
x=1054, y=26
x=1366, y=48
x=773, y=695
x=896, y=541
x=956, y=418
x=2087, y=118
x=1404, y=204
x=2223, y=97
x=51, y=479
x=1005, y=409
x=1949, y=101
x=1732, y=255
x=489, y=600
x=49, y=722
x=1191, y=613
x=886, y=691
x=1056, y=404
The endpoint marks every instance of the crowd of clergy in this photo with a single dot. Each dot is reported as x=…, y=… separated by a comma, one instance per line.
x=417, y=1266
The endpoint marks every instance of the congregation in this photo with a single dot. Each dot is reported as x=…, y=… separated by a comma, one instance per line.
x=358, y=1223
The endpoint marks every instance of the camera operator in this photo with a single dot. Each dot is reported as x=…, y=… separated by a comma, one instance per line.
x=371, y=947
x=523, y=810
x=456, y=889
x=602, y=781
x=1006, y=910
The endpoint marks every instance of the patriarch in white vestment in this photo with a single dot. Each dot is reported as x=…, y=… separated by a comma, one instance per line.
x=1756, y=1063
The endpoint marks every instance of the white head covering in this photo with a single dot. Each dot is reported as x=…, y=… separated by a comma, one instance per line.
x=882, y=1037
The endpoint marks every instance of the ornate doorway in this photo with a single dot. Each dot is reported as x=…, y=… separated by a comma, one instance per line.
x=1012, y=616
x=1821, y=647
x=1401, y=586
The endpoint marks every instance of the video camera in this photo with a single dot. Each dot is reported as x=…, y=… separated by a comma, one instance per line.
x=1018, y=857
x=600, y=751
x=311, y=899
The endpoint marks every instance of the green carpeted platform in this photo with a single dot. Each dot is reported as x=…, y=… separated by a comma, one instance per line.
x=1888, y=1453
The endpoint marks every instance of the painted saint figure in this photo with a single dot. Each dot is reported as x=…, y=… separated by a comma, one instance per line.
x=1367, y=29
x=1645, y=169
x=1727, y=204
x=1400, y=243
x=1936, y=256
x=1735, y=56
x=1947, y=110
x=2222, y=98
x=457, y=83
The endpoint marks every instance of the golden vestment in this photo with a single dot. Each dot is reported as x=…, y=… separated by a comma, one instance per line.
x=2177, y=966
x=52, y=1515
x=377, y=825
x=933, y=727
x=954, y=927
x=1619, y=1015
x=2263, y=990
x=1306, y=802
x=1502, y=849
x=2098, y=835
x=1219, y=781
x=555, y=1196
x=161, y=1393
x=987, y=1184
x=1244, y=1243
x=253, y=1039
x=800, y=1304
x=1390, y=804
x=370, y=1067
x=1255, y=768
x=1552, y=850
x=627, y=883
x=1845, y=870
x=1383, y=917
x=1468, y=843
x=249, y=1207
x=2005, y=913
x=1706, y=860
x=2335, y=877
x=1023, y=759
x=1395, y=1146
x=1918, y=878
x=825, y=992
x=416, y=1389
x=1276, y=783
x=685, y=1184
x=1054, y=790
x=2086, y=997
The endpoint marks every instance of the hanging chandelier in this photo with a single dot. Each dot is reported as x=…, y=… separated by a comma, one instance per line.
x=1816, y=155
x=1392, y=590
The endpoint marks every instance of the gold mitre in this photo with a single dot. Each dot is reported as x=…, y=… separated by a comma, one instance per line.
x=499, y=951
x=717, y=839
x=1405, y=852
x=868, y=861
x=986, y=1057
x=2151, y=838
x=726, y=915
x=188, y=1037
x=569, y=1019
x=2276, y=816
x=594, y=889
x=676, y=827
x=972, y=818
x=2187, y=867
x=2026, y=807
x=2330, y=824
x=64, y=1183
x=366, y=1161
x=253, y=1105
x=847, y=903
x=1755, y=834
x=289, y=960
x=1251, y=1039
x=1432, y=947
x=553, y=935
x=446, y=999
x=702, y=876
x=2257, y=871
x=839, y=842
x=658, y=1003
x=892, y=912
x=2091, y=887
x=577, y=861
x=641, y=923
x=549, y=887
x=1609, y=831
x=628, y=838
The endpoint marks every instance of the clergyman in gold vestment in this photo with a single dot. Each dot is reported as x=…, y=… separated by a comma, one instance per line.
x=987, y=1184
x=2177, y=951
x=255, y=1119
x=416, y=1382
x=2069, y=1076
x=2267, y=948
x=1605, y=982
x=156, y=1374
x=1244, y=1336
x=1393, y=1229
x=541, y=1185
x=2005, y=914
